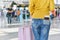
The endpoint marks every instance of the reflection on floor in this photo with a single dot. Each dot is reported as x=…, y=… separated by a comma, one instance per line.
x=10, y=31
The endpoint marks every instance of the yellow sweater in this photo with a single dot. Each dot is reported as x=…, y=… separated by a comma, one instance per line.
x=40, y=8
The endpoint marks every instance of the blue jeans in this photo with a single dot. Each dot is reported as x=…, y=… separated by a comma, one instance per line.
x=9, y=19
x=18, y=18
x=41, y=29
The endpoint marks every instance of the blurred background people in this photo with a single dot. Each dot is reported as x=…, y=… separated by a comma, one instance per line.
x=9, y=15
x=13, y=13
x=5, y=18
x=18, y=14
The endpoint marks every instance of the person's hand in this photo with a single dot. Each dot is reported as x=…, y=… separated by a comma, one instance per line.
x=54, y=13
x=31, y=15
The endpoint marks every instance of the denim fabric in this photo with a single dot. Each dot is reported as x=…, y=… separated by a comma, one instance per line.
x=40, y=29
x=18, y=18
x=9, y=19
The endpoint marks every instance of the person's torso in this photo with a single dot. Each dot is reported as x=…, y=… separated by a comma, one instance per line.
x=41, y=4
x=9, y=14
x=18, y=12
x=41, y=8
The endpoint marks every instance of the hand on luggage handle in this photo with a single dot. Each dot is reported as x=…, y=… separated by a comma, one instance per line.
x=54, y=13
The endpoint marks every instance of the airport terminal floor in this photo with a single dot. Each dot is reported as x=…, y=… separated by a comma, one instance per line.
x=10, y=31
x=15, y=14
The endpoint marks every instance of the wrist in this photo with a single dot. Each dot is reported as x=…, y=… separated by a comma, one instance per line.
x=53, y=12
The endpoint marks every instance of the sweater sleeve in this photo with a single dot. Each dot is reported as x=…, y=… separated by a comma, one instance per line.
x=31, y=6
x=52, y=5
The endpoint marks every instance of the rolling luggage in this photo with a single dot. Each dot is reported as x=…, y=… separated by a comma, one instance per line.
x=59, y=16
x=25, y=33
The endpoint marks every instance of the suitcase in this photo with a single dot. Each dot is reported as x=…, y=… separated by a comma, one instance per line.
x=59, y=16
x=25, y=33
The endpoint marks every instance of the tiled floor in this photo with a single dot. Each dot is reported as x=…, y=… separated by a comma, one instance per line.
x=10, y=32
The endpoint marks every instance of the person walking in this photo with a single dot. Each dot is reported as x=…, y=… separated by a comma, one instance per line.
x=9, y=15
x=18, y=14
x=39, y=10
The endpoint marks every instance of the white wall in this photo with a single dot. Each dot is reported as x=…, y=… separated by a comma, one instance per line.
x=57, y=1
x=1, y=4
x=20, y=2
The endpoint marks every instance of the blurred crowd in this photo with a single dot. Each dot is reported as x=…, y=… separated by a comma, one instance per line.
x=19, y=14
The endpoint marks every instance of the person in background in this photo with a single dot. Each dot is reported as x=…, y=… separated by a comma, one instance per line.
x=13, y=13
x=28, y=14
x=9, y=15
x=5, y=12
x=0, y=13
x=18, y=14
x=24, y=13
x=39, y=10
x=58, y=11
